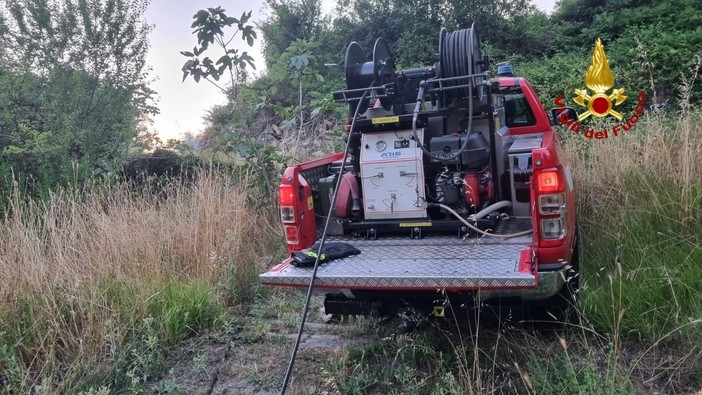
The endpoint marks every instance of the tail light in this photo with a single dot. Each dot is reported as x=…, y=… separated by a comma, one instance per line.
x=286, y=199
x=551, y=206
x=297, y=210
x=553, y=228
x=548, y=181
x=286, y=195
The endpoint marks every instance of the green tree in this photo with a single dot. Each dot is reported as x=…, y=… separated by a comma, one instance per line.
x=290, y=21
x=651, y=44
x=228, y=128
x=74, y=94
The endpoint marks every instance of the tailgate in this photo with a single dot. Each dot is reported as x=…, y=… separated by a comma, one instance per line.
x=420, y=264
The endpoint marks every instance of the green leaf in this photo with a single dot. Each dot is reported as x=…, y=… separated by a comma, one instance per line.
x=245, y=57
x=288, y=123
x=201, y=37
x=245, y=17
x=225, y=60
x=300, y=61
x=187, y=53
x=200, y=18
x=213, y=72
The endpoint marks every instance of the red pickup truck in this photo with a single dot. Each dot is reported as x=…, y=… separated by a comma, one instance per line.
x=454, y=188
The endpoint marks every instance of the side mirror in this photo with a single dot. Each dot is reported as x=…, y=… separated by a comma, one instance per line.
x=563, y=115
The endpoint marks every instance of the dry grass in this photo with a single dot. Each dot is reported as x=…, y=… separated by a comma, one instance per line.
x=640, y=211
x=81, y=273
x=659, y=146
x=661, y=150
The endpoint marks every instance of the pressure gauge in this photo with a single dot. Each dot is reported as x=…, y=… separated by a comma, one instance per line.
x=381, y=145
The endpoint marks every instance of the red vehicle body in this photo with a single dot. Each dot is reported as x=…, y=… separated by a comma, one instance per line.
x=422, y=254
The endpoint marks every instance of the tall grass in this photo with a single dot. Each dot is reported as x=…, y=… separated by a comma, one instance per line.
x=640, y=210
x=94, y=282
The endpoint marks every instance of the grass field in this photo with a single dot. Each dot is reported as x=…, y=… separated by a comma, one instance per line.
x=95, y=284
x=99, y=286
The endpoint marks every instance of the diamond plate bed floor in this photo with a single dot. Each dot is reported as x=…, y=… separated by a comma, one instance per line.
x=424, y=264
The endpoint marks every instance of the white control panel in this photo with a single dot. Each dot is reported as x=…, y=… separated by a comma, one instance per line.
x=392, y=175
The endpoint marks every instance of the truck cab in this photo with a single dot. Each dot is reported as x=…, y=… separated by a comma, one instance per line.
x=453, y=187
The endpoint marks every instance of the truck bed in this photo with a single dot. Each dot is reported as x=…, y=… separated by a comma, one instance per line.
x=431, y=263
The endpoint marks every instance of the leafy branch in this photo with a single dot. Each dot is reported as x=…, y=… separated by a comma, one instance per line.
x=209, y=27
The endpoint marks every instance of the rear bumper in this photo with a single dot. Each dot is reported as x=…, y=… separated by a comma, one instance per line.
x=549, y=283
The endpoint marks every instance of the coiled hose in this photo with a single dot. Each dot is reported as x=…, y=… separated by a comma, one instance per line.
x=456, y=60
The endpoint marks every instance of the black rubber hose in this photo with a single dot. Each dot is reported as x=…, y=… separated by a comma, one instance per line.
x=306, y=307
x=455, y=64
x=461, y=58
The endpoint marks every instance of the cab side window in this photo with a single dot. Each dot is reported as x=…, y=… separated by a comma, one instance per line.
x=517, y=110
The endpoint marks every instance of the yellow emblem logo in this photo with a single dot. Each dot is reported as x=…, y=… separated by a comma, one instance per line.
x=599, y=79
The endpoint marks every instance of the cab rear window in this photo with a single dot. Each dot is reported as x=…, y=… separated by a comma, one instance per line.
x=517, y=110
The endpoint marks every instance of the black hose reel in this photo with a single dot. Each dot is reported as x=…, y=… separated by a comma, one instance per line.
x=361, y=74
x=459, y=55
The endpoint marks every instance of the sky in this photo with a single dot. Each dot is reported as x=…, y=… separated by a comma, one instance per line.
x=183, y=104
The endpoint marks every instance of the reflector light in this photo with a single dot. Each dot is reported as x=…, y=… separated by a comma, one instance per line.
x=286, y=195
x=291, y=234
x=287, y=214
x=548, y=181
x=552, y=228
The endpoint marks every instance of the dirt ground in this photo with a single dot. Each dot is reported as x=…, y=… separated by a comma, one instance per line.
x=251, y=356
